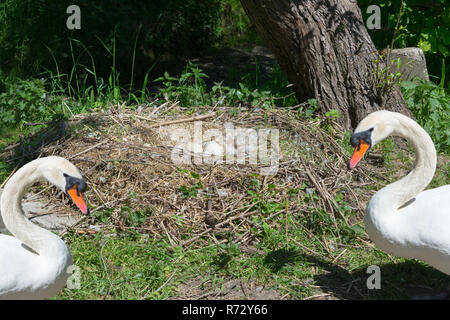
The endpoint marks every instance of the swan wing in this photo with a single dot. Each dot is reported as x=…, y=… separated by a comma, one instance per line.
x=427, y=221
x=16, y=261
x=24, y=274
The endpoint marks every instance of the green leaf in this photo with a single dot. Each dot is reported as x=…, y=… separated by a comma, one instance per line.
x=194, y=175
x=424, y=45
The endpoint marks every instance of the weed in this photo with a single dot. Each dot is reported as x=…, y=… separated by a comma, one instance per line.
x=23, y=101
x=192, y=191
x=189, y=88
x=430, y=105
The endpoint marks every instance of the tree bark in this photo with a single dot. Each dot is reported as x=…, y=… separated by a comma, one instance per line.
x=327, y=54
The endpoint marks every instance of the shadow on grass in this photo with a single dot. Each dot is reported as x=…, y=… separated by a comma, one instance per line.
x=32, y=146
x=221, y=260
x=277, y=259
x=344, y=284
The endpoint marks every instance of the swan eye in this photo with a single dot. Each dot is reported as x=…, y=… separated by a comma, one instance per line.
x=80, y=184
x=75, y=188
x=363, y=136
x=362, y=142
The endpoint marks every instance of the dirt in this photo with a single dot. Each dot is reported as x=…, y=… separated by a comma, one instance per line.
x=231, y=289
x=125, y=156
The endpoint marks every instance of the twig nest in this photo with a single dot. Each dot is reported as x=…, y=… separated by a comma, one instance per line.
x=210, y=220
x=222, y=193
x=213, y=153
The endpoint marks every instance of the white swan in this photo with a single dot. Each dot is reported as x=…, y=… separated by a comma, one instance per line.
x=34, y=261
x=401, y=218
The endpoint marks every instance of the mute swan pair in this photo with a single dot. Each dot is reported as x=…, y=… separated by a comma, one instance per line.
x=34, y=261
x=401, y=218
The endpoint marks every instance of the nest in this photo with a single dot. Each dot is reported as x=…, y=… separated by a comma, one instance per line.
x=126, y=157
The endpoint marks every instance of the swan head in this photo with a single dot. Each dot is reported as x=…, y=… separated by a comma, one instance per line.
x=64, y=175
x=374, y=128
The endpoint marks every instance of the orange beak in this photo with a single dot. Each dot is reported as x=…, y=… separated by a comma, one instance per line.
x=77, y=198
x=358, y=154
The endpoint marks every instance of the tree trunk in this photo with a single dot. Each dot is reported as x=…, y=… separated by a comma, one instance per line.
x=326, y=52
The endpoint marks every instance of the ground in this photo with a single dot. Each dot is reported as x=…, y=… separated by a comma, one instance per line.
x=160, y=230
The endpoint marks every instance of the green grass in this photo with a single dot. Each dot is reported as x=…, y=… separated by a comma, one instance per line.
x=124, y=267
x=136, y=267
x=299, y=254
x=190, y=90
x=430, y=105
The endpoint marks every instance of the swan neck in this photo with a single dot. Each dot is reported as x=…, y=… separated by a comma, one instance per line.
x=39, y=239
x=405, y=189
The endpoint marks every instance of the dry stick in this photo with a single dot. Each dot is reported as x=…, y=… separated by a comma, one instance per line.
x=65, y=104
x=36, y=123
x=11, y=147
x=12, y=172
x=98, y=195
x=92, y=168
x=234, y=210
x=104, y=267
x=317, y=296
x=171, y=107
x=205, y=116
x=165, y=201
x=88, y=149
x=162, y=286
x=234, y=204
x=331, y=203
x=62, y=233
x=319, y=188
x=310, y=250
x=339, y=255
x=34, y=195
x=215, y=120
x=273, y=215
x=144, y=118
x=355, y=196
x=227, y=221
x=312, y=235
x=112, y=118
x=172, y=242
x=159, y=108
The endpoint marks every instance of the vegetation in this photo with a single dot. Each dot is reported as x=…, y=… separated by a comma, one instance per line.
x=122, y=58
x=190, y=89
x=430, y=105
x=299, y=250
x=164, y=27
x=422, y=24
